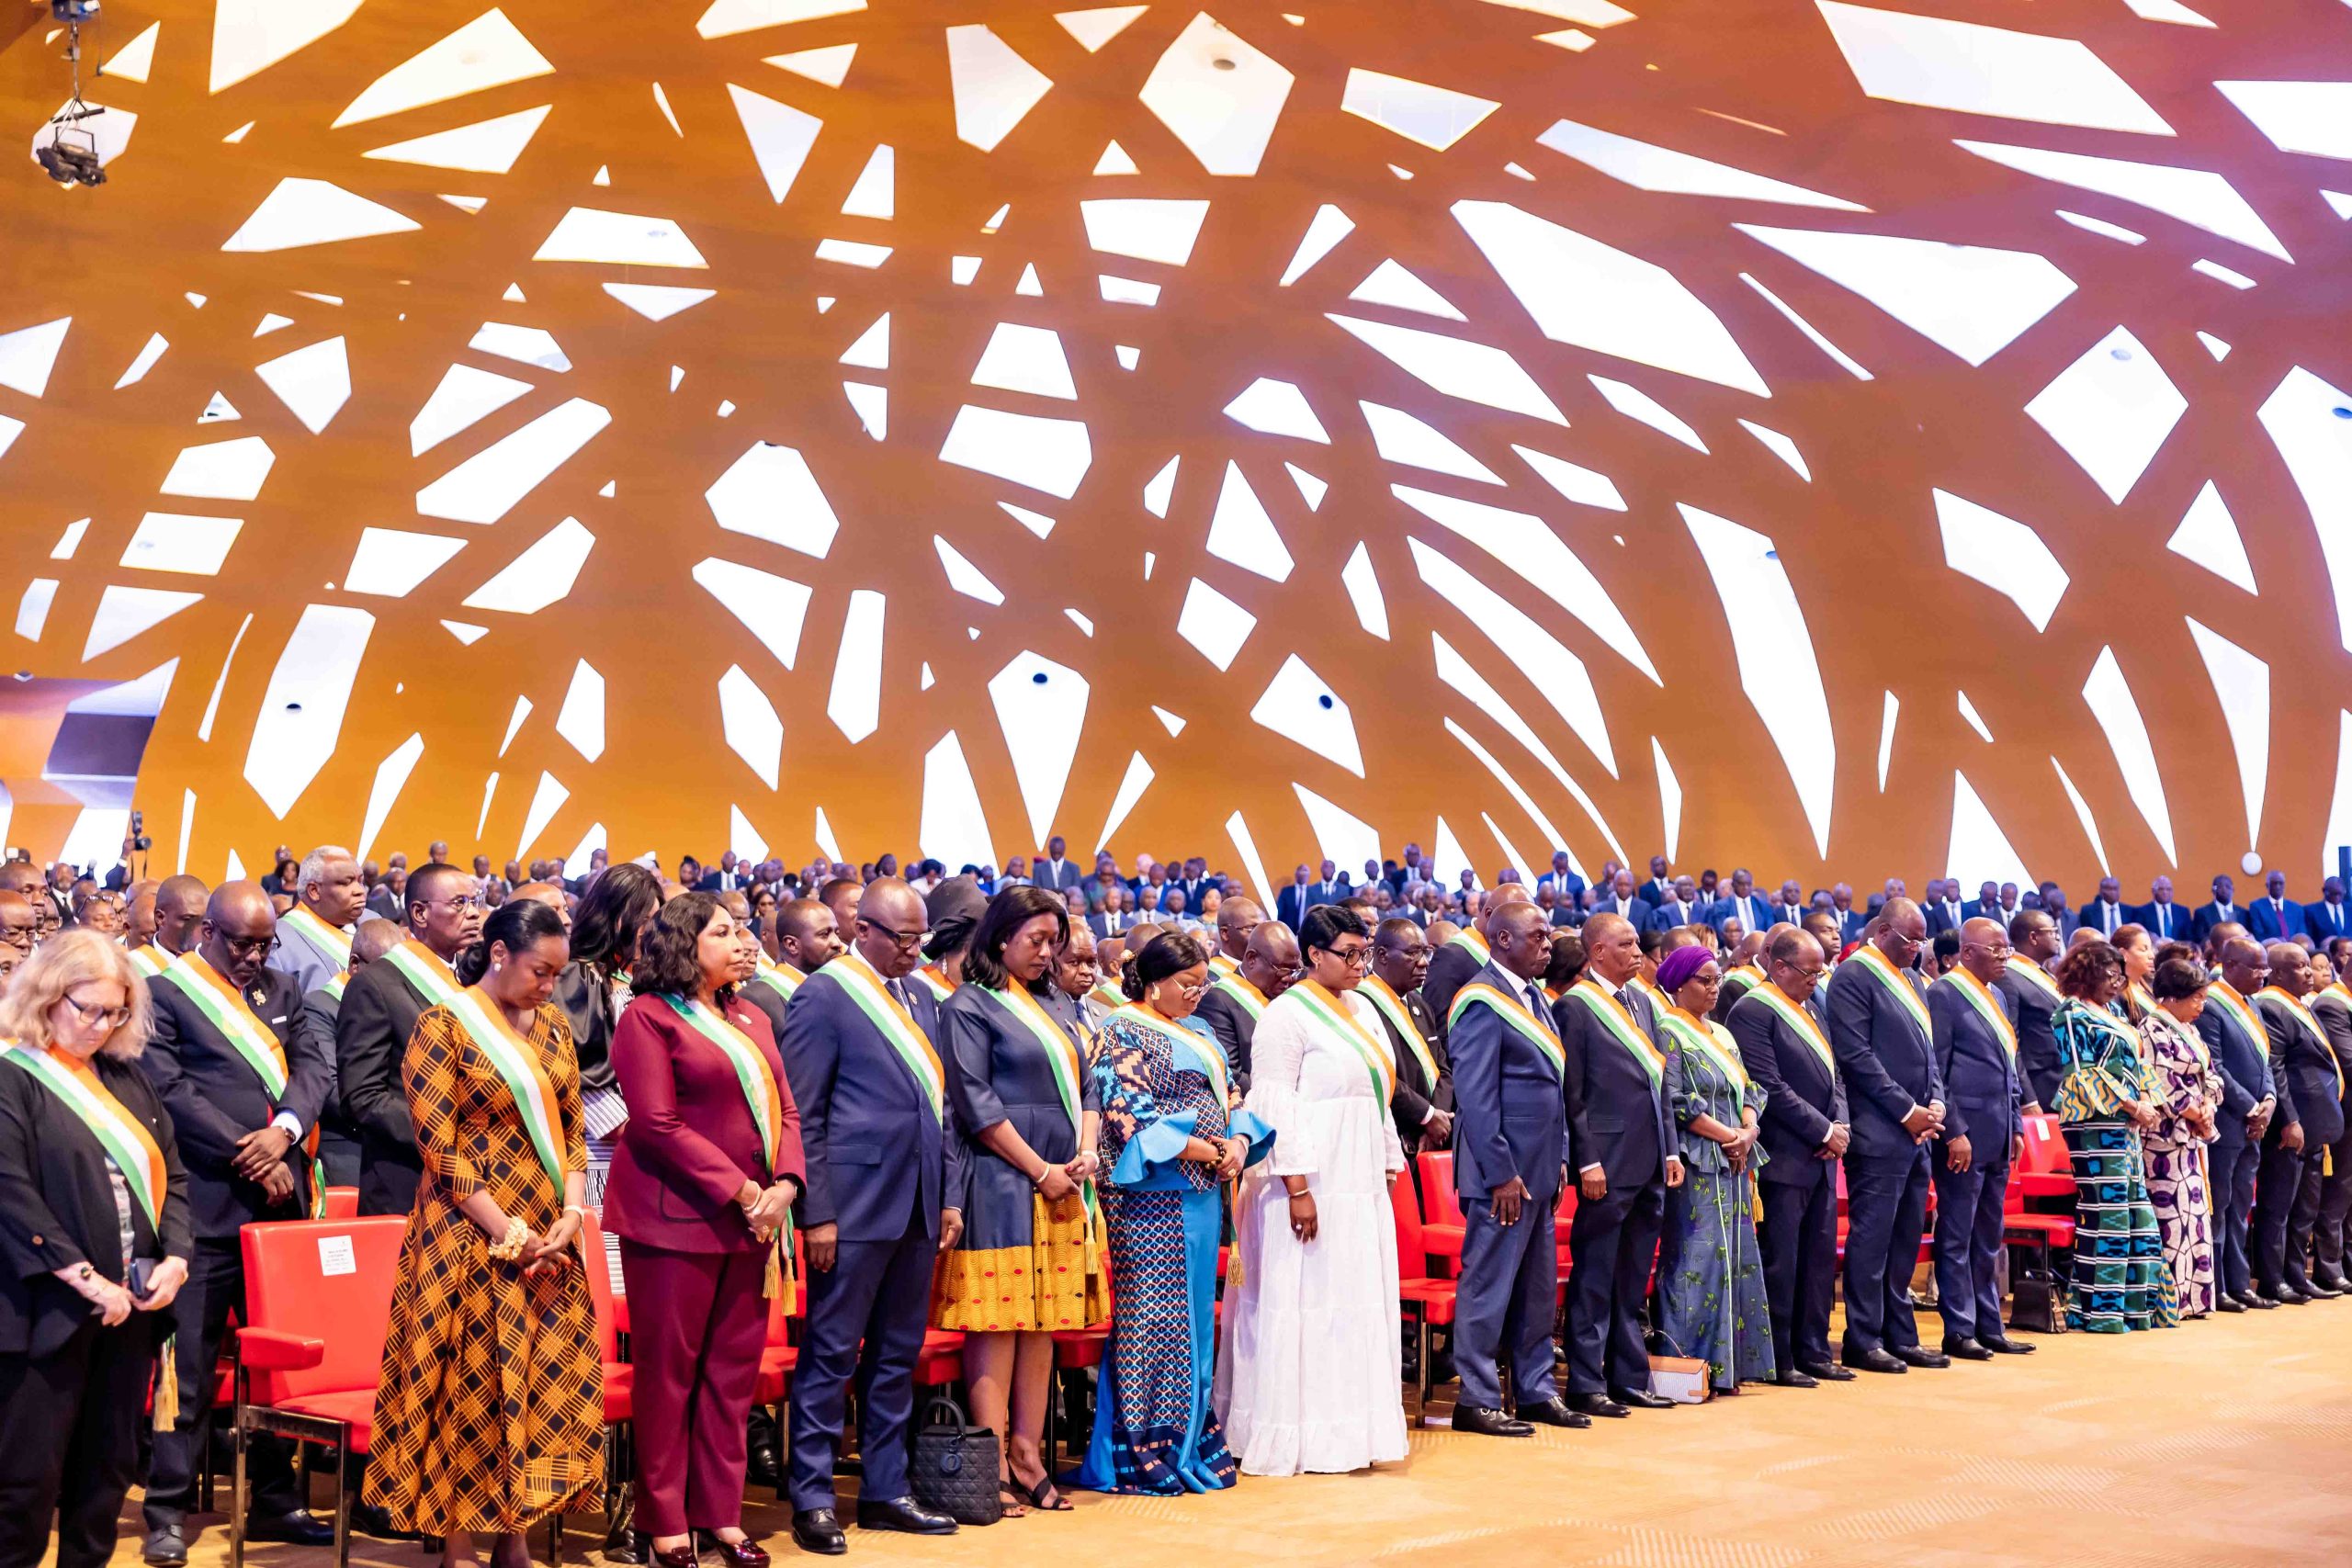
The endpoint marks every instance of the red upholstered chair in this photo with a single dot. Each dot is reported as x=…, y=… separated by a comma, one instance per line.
x=1426, y=1302
x=317, y=1295
x=1441, y=1209
x=620, y=1378
x=2048, y=1169
x=343, y=1203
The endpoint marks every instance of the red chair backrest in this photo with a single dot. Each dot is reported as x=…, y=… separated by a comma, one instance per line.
x=343, y=1203
x=328, y=1280
x=1412, y=1261
x=1565, y=1210
x=600, y=1287
x=2045, y=1146
x=1436, y=1187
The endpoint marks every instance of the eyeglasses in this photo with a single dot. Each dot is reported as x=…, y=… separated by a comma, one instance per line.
x=246, y=944
x=906, y=941
x=1353, y=957
x=104, y=1018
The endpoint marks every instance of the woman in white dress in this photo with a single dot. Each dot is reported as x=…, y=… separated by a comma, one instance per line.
x=1309, y=1378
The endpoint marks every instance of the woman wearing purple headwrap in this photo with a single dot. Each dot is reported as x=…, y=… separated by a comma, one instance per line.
x=1709, y=1273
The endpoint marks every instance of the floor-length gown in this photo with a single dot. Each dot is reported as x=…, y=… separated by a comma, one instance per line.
x=2120, y=1282
x=1309, y=1378
x=1710, y=1269
x=2179, y=1183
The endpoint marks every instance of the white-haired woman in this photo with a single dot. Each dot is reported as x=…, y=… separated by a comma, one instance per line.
x=94, y=1231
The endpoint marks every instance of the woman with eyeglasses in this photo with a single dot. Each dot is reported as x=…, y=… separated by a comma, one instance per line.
x=1173, y=1133
x=94, y=1222
x=1309, y=1380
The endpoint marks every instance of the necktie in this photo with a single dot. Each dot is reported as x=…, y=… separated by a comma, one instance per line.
x=1536, y=1005
x=899, y=994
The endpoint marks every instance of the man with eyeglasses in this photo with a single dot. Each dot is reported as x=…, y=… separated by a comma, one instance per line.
x=236, y=1061
x=2033, y=999
x=19, y=923
x=381, y=1007
x=884, y=1175
x=1884, y=1044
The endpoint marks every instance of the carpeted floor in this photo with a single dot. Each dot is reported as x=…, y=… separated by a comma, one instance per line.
x=2221, y=1442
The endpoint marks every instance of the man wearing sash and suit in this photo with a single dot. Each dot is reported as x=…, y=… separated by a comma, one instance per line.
x=1235, y=1002
x=314, y=939
x=1238, y=919
x=2239, y=1043
x=1510, y=1158
x=381, y=1007
x=1884, y=1044
x=884, y=1185
x=1466, y=952
x=1424, y=1101
x=2311, y=1115
x=1784, y=1050
x=1977, y=1051
x=2332, y=1005
x=2033, y=997
x=1619, y=1086
x=236, y=1064
x=179, y=910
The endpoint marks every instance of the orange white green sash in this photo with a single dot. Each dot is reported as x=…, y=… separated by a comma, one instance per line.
x=1748, y=973
x=333, y=985
x=150, y=960
x=2294, y=1005
x=1182, y=1043
x=1332, y=1016
x=424, y=970
x=1468, y=937
x=1796, y=1018
x=1988, y=1006
x=781, y=978
x=859, y=982
x=1252, y=999
x=517, y=1062
x=2235, y=1005
x=1381, y=995
x=1220, y=966
x=1695, y=1035
x=225, y=1009
x=2033, y=975
x=124, y=1137
x=1879, y=968
x=1109, y=995
x=753, y=1073
x=934, y=977
x=1061, y=1051
x=322, y=935
x=1515, y=1013
x=1648, y=987
x=1621, y=1026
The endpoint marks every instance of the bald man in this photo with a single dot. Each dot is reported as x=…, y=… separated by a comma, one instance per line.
x=1235, y=1002
x=1466, y=951
x=1884, y=1043
x=338, y=1139
x=244, y=1075
x=381, y=1007
x=1237, y=919
x=548, y=893
x=2311, y=1118
x=2238, y=1041
x=885, y=1182
x=1077, y=974
x=1984, y=1133
x=1423, y=1103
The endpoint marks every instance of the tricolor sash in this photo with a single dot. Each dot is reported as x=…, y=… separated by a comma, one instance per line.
x=1381, y=995
x=753, y=1073
x=781, y=978
x=2304, y=1015
x=1252, y=999
x=2235, y=1006
x=425, y=973
x=124, y=1137
x=1621, y=1025
x=517, y=1062
x=1694, y=1035
x=1220, y=966
x=333, y=985
x=934, y=977
x=150, y=960
x=859, y=982
x=1988, y=1006
x=1879, y=967
x=326, y=937
x=1109, y=995
x=1796, y=1018
x=1062, y=1054
x=1183, y=1044
x=1514, y=1012
x=1332, y=1015
x=1747, y=973
x=224, y=1008
x=2033, y=975
x=1648, y=987
x=1468, y=937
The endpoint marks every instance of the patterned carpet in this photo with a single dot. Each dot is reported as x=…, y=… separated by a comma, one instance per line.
x=2220, y=1443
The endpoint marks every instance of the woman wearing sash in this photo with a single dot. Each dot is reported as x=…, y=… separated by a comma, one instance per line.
x=1173, y=1133
x=1029, y=1262
x=618, y=904
x=709, y=1167
x=2188, y=1096
x=490, y=1412
x=2104, y=1104
x=90, y=1188
x=1309, y=1380
x=1710, y=1269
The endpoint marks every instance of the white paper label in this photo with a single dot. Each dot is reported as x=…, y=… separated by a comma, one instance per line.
x=336, y=1255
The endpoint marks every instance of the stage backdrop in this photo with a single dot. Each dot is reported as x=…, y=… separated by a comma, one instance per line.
x=1826, y=437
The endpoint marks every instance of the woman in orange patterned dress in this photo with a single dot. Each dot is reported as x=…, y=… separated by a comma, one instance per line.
x=490, y=1416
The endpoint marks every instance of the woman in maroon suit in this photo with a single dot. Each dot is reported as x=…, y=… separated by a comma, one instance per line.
x=708, y=1169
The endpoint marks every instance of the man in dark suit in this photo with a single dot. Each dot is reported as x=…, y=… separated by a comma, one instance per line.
x=237, y=1065
x=1679, y=907
x=2332, y=1007
x=2106, y=912
x=1510, y=1156
x=2311, y=1119
x=1977, y=1053
x=1619, y=898
x=1235, y=1002
x=2221, y=912
x=1743, y=904
x=1565, y=885
x=381, y=1007
x=1987, y=906
x=1054, y=870
x=2239, y=1043
x=1804, y=1133
x=1423, y=1108
x=1619, y=1086
x=2328, y=918
x=723, y=877
x=1290, y=902
x=1113, y=918
x=1943, y=908
x=868, y=1081
x=1463, y=955
x=1851, y=920
x=2162, y=919
x=1789, y=909
x=2033, y=998
x=1656, y=889
x=2275, y=916
x=1886, y=1047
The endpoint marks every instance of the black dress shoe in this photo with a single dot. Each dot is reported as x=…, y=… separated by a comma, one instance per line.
x=1597, y=1404
x=295, y=1529
x=2228, y=1303
x=2002, y=1345
x=902, y=1514
x=1920, y=1356
x=1967, y=1348
x=1554, y=1411
x=764, y=1468
x=1488, y=1422
x=165, y=1548
x=2284, y=1295
x=629, y=1548
x=2257, y=1300
x=2336, y=1283
x=1788, y=1377
x=2321, y=1291
x=1639, y=1399
x=817, y=1531
x=1827, y=1372
x=367, y=1519
x=1872, y=1361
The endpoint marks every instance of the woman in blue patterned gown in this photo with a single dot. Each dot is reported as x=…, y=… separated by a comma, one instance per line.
x=2103, y=1103
x=1172, y=1133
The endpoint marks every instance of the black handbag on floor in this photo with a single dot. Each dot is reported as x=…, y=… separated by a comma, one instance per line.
x=955, y=1465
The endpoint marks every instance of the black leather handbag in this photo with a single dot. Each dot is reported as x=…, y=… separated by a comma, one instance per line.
x=956, y=1464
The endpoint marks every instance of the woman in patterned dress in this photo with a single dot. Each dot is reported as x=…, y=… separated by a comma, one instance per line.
x=1173, y=1132
x=490, y=1416
x=2103, y=1103
x=2187, y=1095
x=1710, y=1271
